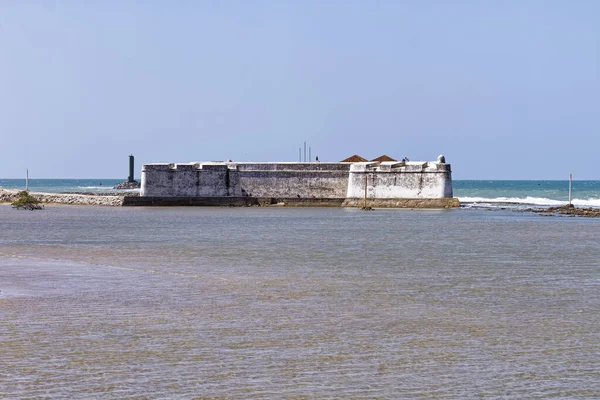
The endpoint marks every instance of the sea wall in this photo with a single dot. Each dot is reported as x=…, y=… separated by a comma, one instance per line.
x=245, y=201
x=313, y=180
x=323, y=180
x=8, y=196
x=189, y=179
x=400, y=180
x=301, y=180
x=402, y=203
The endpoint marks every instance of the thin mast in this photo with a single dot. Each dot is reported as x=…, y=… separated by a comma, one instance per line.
x=570, y=186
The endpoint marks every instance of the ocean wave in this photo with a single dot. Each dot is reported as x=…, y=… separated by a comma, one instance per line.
x=537, y=201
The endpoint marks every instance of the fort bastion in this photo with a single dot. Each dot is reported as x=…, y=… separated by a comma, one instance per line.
x=383, y=183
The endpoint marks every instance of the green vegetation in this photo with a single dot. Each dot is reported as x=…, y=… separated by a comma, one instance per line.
x=26, y=201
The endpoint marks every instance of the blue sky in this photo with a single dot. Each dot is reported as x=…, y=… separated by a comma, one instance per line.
x=505, y=89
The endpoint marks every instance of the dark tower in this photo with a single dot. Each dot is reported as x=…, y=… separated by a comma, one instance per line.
x=130, y=179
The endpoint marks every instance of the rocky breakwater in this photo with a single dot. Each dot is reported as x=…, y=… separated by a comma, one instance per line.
x=569, y=210
x=8, y=196
x=128, y=185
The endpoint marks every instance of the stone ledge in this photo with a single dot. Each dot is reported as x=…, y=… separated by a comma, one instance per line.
x=7, y=196
x=403, y=203
x=174, y=201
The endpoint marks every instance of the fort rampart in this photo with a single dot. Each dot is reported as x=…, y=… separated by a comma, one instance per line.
x=343, y=182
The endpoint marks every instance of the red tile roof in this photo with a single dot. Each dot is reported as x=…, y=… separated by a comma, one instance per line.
x=383, y=158
x=355, y=158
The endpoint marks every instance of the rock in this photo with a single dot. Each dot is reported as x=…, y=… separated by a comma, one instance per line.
x=128, y=185
x=7, y=196
x=569, y=210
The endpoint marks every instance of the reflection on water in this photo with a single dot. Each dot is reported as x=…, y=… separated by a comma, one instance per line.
x=297, y=303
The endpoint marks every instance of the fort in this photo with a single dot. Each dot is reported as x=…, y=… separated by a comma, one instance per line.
x=422, y=184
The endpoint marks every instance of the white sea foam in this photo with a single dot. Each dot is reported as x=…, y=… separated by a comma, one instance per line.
x=541, y=201
x=586, y=202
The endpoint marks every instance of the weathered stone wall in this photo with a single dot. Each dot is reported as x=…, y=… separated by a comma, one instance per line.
x=326, y=184
x=300, y=180
x=304, y=180
x=157, y=180
x=182, y=201
x=402, y=203
x=194, y=179
x=328, y=180
x=389, y=180
x=288, y=202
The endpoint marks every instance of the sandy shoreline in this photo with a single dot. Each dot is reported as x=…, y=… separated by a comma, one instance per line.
x=8, y=196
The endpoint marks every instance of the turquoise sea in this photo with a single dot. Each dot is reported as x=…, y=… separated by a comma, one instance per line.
x=517, y=193
x=472, y=193
x=63, y=185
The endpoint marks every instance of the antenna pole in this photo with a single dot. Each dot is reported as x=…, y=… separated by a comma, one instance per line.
x=570, y=187
x=304, y=151
x=26, y=178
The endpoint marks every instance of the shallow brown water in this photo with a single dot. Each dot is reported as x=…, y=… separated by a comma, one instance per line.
x=297, y=303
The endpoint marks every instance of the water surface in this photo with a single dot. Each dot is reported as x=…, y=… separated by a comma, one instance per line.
x=100, y=302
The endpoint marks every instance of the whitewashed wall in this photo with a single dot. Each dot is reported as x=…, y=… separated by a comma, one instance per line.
x=321, y=180
x=391, y=180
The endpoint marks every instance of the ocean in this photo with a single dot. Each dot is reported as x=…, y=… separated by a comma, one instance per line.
x=516, y=194
x=94, y=186
x=483, y=301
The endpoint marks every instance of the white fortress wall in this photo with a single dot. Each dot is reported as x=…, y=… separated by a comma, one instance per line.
x=305, y=180
x=188, y=179
x=156, y=180
x=322, y=180
x=391, y=180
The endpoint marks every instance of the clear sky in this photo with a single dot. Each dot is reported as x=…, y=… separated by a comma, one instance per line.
x=504, y=89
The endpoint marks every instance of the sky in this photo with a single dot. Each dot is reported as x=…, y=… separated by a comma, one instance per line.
x=504, y=89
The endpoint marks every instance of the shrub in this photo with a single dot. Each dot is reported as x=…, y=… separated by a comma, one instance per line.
x=26, y=201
